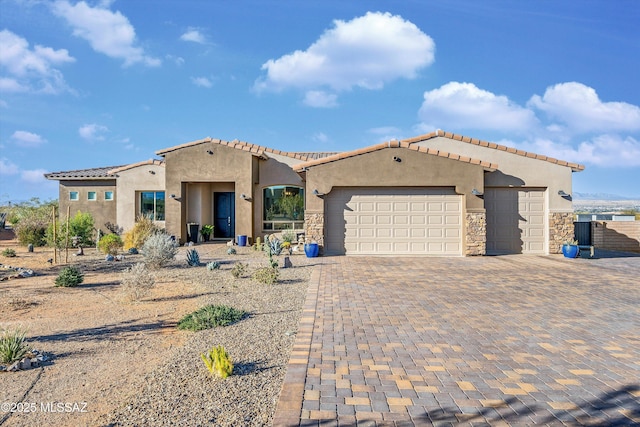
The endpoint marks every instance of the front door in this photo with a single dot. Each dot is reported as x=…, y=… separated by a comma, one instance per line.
x=224, y=214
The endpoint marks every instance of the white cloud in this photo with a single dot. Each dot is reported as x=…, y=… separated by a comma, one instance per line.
x=92, y=132
x=580, y=109
x=366, y=52
x=27, y=139
x=193, y=35
x=33, y=176
x=30, y=69
x=7, y=168
x=107, y=32
x=320, y=137
x=320, y=99
x=178, y=60
x=202, y=82
x=386, y=133
x=465, y=106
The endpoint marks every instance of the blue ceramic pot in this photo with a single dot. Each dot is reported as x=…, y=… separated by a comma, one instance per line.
x=311, y=250
x=570, y=251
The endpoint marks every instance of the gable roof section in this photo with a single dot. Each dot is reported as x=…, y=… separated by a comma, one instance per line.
x=394, y=144
x=149, y=162
x=80, y=174
x=575, y=167
x=257, y=150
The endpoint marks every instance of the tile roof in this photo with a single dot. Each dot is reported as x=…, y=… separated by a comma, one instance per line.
x=575, y=167
x=135, y=165
x=93, y=173
x=395, y=144
x=258, y=150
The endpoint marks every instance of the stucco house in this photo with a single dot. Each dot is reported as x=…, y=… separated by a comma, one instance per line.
x=435, y=194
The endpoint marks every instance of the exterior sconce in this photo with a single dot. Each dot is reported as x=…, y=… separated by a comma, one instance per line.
x=561, y=193
x=475, y=192
x=152, y=172
x=315, y=192
x=176, y=198
x=245, y=197
x=210, y=152
x=397, y=159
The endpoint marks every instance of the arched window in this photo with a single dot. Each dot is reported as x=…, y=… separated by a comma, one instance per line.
x=283, y=208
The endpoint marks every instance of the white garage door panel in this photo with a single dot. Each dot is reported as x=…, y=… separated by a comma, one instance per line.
x=362, y=221
x=516, y=220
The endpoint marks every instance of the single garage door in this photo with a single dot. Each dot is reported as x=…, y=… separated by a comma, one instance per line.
x=393, y=221
x=516, y=221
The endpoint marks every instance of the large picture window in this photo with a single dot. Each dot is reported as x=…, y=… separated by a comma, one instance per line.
x=283, y=208
x=152, y=205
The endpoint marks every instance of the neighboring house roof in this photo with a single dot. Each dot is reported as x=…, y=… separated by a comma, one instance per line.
x=258, y=150
x=135, y=165
x=575, y=167
x=395, y=144
x=93, y=173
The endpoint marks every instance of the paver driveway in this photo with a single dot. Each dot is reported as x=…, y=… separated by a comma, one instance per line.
x=513, y=340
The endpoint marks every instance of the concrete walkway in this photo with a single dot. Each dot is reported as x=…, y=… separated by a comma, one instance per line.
x=512, y=340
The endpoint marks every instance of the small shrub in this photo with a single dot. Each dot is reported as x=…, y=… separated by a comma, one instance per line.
x=288, y=236
x=110, y=244
x=28, y=231
x=159, y=249
x=266, y=275
x=193, y=258
x=239, y=269
x=12, y=345
x=218, y=361
x=211, y=316
x=114, y=228
x=137, y=282
x=231, y=251
x=69, y=277
x=141, y=231
x=213, y=265
x=9, y=253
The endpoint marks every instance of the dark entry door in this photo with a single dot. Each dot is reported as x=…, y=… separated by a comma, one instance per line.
x=224, y=212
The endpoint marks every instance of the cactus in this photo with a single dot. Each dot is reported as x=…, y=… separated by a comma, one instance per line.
x=213, y=265
x=275, y=246
x=193, y=259
x=231, y=251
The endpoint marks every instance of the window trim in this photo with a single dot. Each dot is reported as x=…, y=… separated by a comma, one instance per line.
x=109, y=199
x=271, y=225
x=155, y=204
x=77, y=198
x=95, y=196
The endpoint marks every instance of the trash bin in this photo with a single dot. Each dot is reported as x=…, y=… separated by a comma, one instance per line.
x=242, y=240
x=192, y=229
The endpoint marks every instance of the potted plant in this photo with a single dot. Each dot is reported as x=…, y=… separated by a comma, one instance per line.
x=206, y=231
x=570, y=249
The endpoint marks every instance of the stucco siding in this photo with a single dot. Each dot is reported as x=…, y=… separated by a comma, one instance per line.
x=130, y=182
x=102, y=210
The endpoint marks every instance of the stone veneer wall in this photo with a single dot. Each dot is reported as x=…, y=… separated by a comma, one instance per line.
x=476, y=224
x=314, y=228
x=560, y=230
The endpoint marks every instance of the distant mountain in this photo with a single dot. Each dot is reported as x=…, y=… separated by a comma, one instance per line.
x=600, y=196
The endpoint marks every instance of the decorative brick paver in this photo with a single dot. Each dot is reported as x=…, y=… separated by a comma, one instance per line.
x=513, y=340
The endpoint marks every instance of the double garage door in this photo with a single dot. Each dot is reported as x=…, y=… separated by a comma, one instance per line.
x=393, y=221
x=516, y=221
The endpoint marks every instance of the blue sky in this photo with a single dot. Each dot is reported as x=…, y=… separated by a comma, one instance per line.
x=102, y=83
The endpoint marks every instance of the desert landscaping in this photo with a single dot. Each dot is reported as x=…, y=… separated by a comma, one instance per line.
x=110, y=361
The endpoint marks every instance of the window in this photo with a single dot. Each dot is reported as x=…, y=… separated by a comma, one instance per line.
x=108, y=195
x=74, y=196
x=152, y=205
x=91, y=195
x=283, y=208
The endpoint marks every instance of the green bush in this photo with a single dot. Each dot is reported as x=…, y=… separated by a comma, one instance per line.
x=266, y=275
x=239, y=269
x=69, y=276
x=81, y=231
x=110, y=244
x=9, y=253
x=211, y=316
x=12, y=345
x=30, y=220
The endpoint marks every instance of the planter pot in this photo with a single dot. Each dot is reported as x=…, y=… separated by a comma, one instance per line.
x=242, y=240
x=311, y=250
x=570, y=251
x=193, y=232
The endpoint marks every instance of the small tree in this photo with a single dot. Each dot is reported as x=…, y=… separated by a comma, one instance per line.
x=81, y=229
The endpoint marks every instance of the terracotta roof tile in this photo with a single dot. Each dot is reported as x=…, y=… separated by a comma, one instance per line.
x=391, y=144
x=574, y=166
x=135, y=165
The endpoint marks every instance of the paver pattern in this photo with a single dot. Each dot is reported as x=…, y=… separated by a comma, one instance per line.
x=510, y=340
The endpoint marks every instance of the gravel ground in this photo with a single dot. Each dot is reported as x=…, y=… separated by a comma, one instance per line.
x=182, y=392
x=129, y=362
